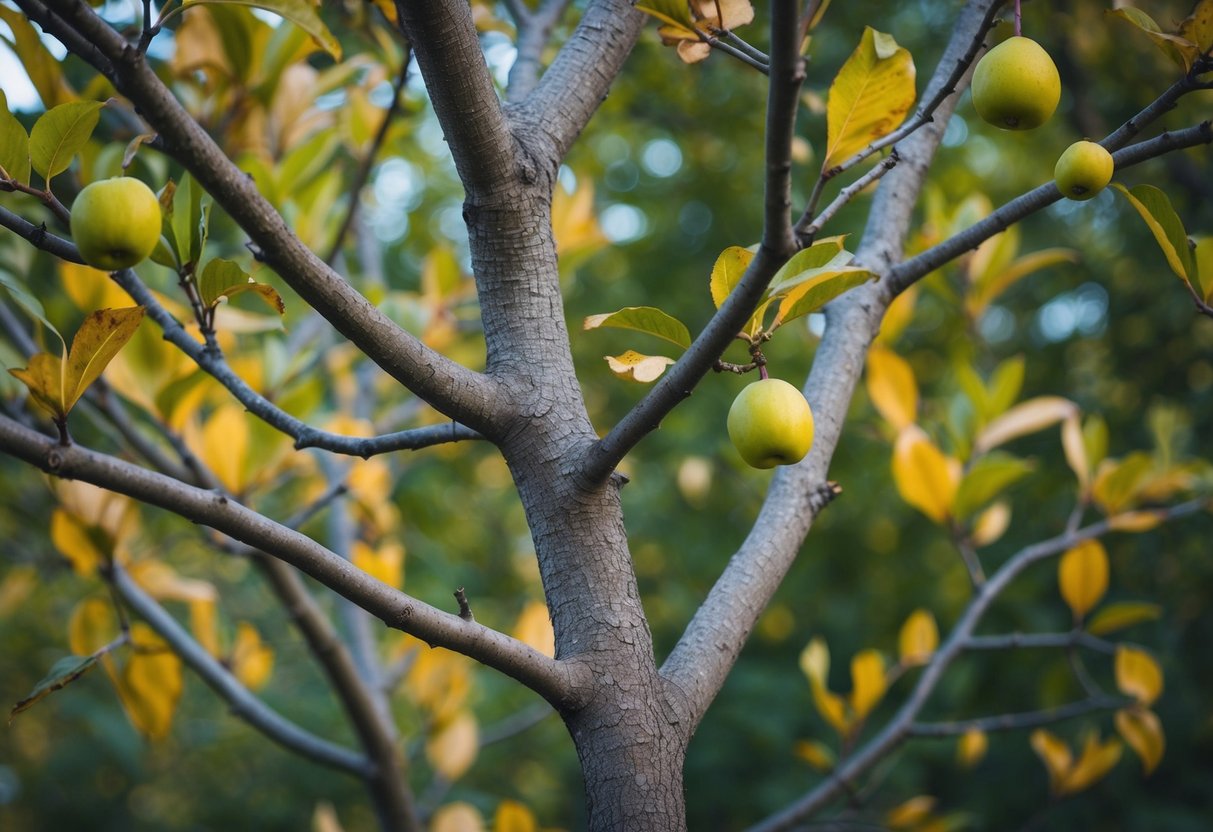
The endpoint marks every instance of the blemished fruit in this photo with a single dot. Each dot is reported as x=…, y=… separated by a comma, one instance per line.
x=115, y=223
x=1016, y=85
x=770, y=424
x=1083, y=170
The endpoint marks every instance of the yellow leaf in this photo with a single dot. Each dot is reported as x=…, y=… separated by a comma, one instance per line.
x=92, y=626
x=1138, y=674
x=91, y=288
x=1097, y=760
x=1135, y=522
x=869, y=97
x=385, y=563
x=991, y=524
x=1083, y=575
x=868, y=682
x=817, y=754
x=513, y=816
x=1055, y=754
x=831, y=707
x=911, y=813
x=1024, y=418
x=457, y=817
x=924, y=476
x=534, y=627
x=898, y=316
x=44, y=378
x=918, y=638
x=892, y=388
x=252, y=661
x=203, y=626
x=815, y=661
x=98, y=340
x=727, y=272
x=453, y=747
x=324, y=818
x=1142, y=730
x=17, y=585
x=633, y=366
x=1076, y=450
x=224, y=445
x=1115, y=617
x=74, y=542
x=150, y=683
x=574, y=223
x=971, y=747
x=438, y=681
x=163, y=583
x=990, y=283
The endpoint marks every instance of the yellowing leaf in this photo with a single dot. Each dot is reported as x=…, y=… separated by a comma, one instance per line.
x=1197, y=28
x=224, y=446
x=831, y=707
x=163, y=583
x=633, y=366
x=817, y=754
x=924, y=476
x=1135, y=522
x=1138, y=675
x=898, y=316
x=1023, y=419
x=1155, y=209
x=918, y=639
x=91, y=288
x=687, y=22
x=988, y=285
x=386, y=563
x=971, y=747
x=815, y=661
x=911, y=813
x=224, y=279
x=643, y=319
x=1142, y=730
x=986, y=479
x=991, y=524
x=300, y=12
x=892, y=388
x=811, y=292
x=1076, y=451
x=457, y=817
x=869, y=97
x=1117, y=482
x=92, y=625
x=1177, y=48
x=453, y=747
x=1055, y=754
x=727, y=272
x=1083, y=575
x=1097, y=759
x=868, y=682
x=150, y=683
x=204, y=627
x=252, y=661
x=75, y=542
x=1115, y=617
x=534, y=627
x=513, y=816
x=574, y=223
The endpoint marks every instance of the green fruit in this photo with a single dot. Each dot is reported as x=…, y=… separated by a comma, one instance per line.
x=771, y=424
x=1083, y=170
x=115, y=223
x=1016, y=85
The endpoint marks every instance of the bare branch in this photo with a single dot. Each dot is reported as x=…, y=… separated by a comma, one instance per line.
x=1013, y=641
x=244, y=704
x=553, y=680
x=534, y=31
x=1020, y=721
x=469, y=397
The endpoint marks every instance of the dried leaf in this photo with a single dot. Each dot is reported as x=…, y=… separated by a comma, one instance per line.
x=634, y=366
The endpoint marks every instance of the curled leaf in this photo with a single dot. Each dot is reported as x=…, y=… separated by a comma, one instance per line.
x=633, y=366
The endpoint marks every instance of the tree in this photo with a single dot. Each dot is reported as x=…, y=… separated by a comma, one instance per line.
x=212, y=103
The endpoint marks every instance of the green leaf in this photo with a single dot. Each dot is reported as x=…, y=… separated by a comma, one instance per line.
x=14, y=145
x=1168, y=230
x=1179, y=49
x=225, y=279
x=62, y=673
x=644, y=319
x=809, y=262
x=814, y=292
x=1005, y=385
x=987, y=479
x=1202, y=255
x=1120, y=615
x=30, y=304
x=300, y=12
x=59, y=134
x=187, y=221
x=727, y=272
x=869, y=97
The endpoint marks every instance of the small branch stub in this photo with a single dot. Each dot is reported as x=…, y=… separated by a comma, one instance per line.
x=465, y=609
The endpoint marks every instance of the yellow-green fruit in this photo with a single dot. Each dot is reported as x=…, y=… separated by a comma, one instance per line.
x=1083, y=170
x=771, y=424
x=115, y=223
x=1016, y=85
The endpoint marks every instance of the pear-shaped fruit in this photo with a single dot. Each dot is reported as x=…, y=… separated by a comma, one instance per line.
x=115, y=223
x=1016, y=85
x=770, y=424
x=1083, y=170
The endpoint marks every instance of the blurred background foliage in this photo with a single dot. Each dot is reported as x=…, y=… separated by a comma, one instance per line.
x=674, y=161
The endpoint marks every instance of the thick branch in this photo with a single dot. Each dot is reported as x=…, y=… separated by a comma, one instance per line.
x=534, y=30
x=468, y=397
x=552, y=680
x=244, y=704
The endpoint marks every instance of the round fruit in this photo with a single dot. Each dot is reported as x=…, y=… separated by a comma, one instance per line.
x=771, y=424
x=1083, y=170
x=1016, y=85
x=115, y=223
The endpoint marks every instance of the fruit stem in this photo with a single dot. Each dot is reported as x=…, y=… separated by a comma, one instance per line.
x=1018, y=20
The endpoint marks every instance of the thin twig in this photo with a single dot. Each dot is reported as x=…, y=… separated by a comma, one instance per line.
x=1019, y=721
